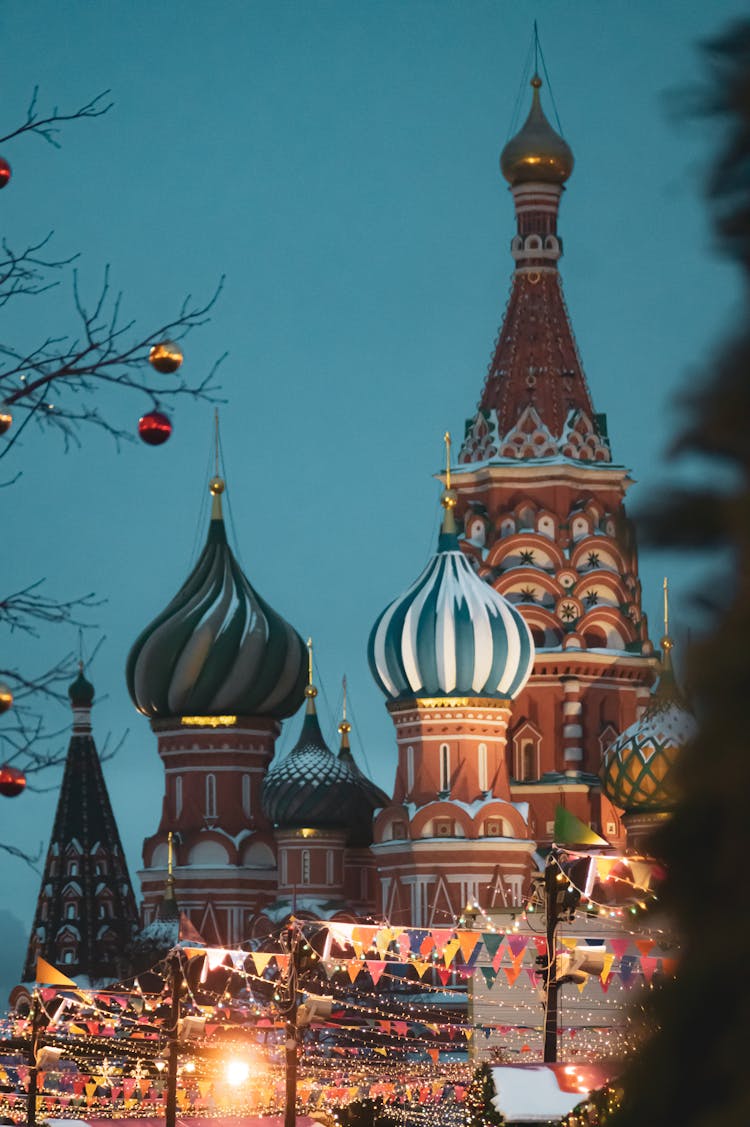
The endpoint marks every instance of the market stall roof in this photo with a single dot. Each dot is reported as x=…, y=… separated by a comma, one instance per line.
x=544, y=1093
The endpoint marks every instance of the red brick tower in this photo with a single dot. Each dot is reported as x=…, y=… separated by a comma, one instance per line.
x=541, y=510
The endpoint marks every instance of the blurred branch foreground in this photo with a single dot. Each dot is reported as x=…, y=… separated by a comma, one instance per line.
x=58, y=385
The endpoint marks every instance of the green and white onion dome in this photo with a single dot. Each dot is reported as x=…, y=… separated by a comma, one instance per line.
x=450, y=633
x=218, y=648
x=637, y=767
x=312, y=787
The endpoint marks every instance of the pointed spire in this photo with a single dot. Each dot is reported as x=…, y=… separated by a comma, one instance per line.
x=310, y=691
x=216, y=485
x=168, y=909
x=448, y=541
x=344, y=729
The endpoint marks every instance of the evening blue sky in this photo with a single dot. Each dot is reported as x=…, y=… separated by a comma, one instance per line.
x=338, y=162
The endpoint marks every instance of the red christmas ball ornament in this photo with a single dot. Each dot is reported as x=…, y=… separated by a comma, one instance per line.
x=12, y=781
x=165, y=357
x=4, y=173
x=6, y=420
x=154, y=428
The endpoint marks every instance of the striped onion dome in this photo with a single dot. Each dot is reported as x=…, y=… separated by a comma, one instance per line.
x=313, y=787
x=218, y=648
x=637, y=768
x=450, y=634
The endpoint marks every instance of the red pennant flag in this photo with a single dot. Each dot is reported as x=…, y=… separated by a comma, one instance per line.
x=375, y=968
x=619, y=946
x=648, y=966
x=644, y=945
x=541, y=944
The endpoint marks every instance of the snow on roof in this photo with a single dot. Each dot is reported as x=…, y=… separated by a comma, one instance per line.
x=543, y=1093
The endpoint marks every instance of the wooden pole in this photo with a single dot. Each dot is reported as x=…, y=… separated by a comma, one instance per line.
x=175, y=977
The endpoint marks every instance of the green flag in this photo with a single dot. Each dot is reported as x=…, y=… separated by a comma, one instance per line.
x=570, y=830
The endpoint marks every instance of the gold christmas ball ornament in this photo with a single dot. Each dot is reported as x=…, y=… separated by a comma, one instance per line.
x=216, y=486
x=165, y=357
x=6, y=420
x=310, y=691
x=6, y=697
x=449, y=499
x=344, y=728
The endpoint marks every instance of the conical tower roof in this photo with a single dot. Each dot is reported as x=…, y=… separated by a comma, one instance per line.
x=218, y=648
x=86, y=913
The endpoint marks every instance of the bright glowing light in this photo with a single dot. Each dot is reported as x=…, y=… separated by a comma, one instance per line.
x=189, y=1066
x=237, y=1072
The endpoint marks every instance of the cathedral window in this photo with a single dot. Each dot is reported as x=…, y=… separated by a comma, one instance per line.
x=305, y=859
x=68, y=955
x=409, y=770
x=71, y=910
x=398, y=831
x=72, y=868
x=445, y=769
x=210, y=796
x=284, y=867
x=246, y=795
x=529, y=768
x=100, y=869
x=482, y=767
x=178, y=796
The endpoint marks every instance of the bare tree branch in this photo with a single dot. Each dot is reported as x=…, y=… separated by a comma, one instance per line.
x=47, y=127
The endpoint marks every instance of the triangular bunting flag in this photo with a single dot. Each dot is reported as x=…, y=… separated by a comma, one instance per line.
x=619, y=946
x=376, y=968
x=498, y=959
x=491, y=941
x=644, y=945
x=648, y=966
x=512, y=973
x=261, y=960
x=489, y=976
x=450, y=950
x=354, y=967
x=49, y=975
x=517, y=944
x=421, y=966
x=440, y=937
x=282, y=962
x=606, y=968
x=570, y=830
x=467, y=941
x=541, y=944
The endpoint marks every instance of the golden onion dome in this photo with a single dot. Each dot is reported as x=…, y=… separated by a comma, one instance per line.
x=537, y=152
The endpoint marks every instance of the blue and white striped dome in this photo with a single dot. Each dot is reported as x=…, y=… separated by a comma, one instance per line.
x=450, y=634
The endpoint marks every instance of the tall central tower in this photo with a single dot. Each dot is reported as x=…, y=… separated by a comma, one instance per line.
x=540, y=507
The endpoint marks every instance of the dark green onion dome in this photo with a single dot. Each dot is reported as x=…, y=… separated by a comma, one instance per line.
x=637, y=768
x=537, y=153
x=450, y=633
x=218, y=648
x=81, y=691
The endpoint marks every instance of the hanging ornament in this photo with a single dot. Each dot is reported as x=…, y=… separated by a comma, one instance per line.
x=12, y=781
x=6, y=420
x=166, y=357
x=4, y=173
x=6, y=697
x=154, y=428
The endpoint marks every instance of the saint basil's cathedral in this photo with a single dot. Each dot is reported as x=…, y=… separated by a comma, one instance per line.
x=517, y=670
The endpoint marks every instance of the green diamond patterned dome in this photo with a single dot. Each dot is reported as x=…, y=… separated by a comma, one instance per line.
x=637, y=767
x=218, y=648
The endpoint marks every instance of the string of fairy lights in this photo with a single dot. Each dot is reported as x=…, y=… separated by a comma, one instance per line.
x=404, y=1010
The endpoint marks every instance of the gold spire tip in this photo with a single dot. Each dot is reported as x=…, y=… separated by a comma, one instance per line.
x=536, y=82
x=310, y=690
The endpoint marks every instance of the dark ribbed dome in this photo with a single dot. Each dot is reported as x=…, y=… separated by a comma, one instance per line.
x=314, y=788
x=218, y=648
x=81, y=691
x=537, y=153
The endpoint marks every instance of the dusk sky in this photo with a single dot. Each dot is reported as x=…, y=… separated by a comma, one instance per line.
x=338, y=162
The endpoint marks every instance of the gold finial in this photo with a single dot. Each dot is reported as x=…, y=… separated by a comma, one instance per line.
x=344, y=726
x=169, y=854
x=449, y=497
x=310, y=691
x=536, y=82
x=216, y=484
x=666, y=643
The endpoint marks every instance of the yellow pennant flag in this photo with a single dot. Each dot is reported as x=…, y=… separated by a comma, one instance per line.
x=421, y=967
x=608, y=960
x=261, y=960
x=449, y=951
x=47, y=975
x=581, y=985
x=569, y=942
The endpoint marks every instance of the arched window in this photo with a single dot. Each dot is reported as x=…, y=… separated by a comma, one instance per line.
x=482, y=767
x=70, y=910
x=284, y=867
x=68, y=955
x=305, y=866
x=329, y=866
x=178, y=796
x=409, y=769
x=445, y=768
x=210, y=796
x=528, y=761
x=246, y=795
x=72, y=868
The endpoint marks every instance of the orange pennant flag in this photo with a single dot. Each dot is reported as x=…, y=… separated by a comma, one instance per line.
x=644, y=945
x=513, y=972
x=49, y=975
x=467, y=941
x=282, y=961
x=354, y=967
